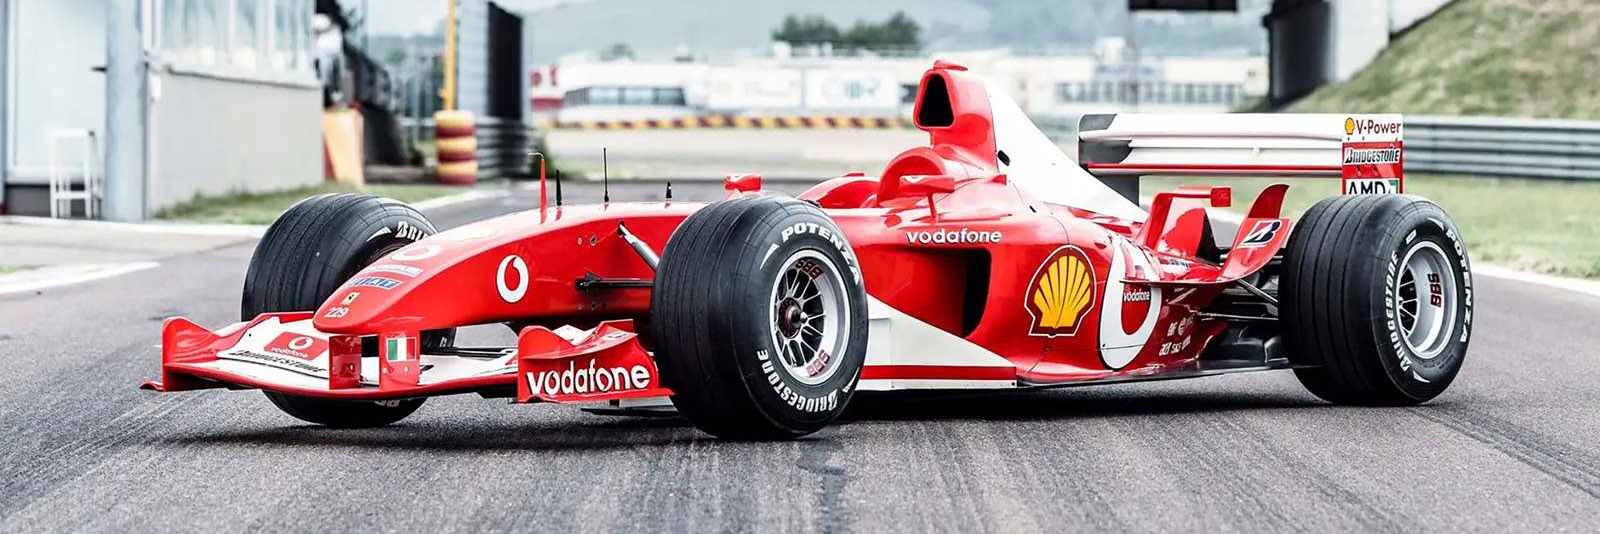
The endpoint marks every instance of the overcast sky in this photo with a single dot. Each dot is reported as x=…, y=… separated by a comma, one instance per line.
x=406, y=17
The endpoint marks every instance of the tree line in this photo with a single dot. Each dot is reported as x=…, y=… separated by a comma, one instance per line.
x=899, y=31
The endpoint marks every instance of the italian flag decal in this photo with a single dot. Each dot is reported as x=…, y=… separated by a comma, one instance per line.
x=396, y=350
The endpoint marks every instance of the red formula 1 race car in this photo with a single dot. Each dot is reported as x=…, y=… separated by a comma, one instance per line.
x=988, y=259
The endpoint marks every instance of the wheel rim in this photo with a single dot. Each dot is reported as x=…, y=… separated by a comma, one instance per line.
x=808, y=317
x=1425, y=300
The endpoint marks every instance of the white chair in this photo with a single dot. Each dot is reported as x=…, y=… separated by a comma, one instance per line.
x=62, y=178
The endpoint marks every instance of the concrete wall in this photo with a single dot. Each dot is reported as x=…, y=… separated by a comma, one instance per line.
x=1297, y=47
x=213, y=135
x=1315, y=42
x=1403, y=14
x=472, y=57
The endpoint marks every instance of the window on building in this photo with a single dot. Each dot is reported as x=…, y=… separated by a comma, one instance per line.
x=270, y=38
x=604, y=96
x=638, y=96
x=245, y=46
x=670, y=96
x=624, y=96
x=1069, y=92
x=289, y=29
x=575, y=98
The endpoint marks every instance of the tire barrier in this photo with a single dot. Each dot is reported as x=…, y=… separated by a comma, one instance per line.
x=733, y=121
x=457, y=147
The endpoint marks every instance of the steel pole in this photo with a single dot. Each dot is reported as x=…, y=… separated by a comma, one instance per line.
x=126, y=79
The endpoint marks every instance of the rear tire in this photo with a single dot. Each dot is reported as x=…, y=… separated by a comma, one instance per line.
x=759, y=318
x=311, y=250
x=1376, y=300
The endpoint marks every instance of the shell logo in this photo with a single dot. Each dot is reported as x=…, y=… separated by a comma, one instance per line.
x=1062, y=293
x=1349, y=126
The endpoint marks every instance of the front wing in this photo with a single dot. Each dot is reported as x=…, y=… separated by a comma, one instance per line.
x=282, y=352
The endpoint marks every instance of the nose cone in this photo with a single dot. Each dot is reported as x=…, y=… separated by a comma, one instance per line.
x=379, y=297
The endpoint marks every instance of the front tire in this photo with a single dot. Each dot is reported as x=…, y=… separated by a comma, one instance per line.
x=307, y=253
x=1376, y=300
x=759, y=318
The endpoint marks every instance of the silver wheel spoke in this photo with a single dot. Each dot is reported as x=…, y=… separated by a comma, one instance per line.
x=810, y=316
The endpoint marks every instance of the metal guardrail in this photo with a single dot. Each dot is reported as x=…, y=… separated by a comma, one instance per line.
x=1534, y=148
x=1485, y=146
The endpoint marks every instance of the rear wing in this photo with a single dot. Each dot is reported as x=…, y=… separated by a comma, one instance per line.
x=1364, y=150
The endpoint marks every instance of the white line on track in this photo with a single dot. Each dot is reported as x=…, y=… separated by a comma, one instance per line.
x=469, y=196
x=1587, y=287
x=224, y=230
x=47, y=277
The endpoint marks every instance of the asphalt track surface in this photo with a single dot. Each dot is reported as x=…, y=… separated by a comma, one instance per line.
x=1512, y=446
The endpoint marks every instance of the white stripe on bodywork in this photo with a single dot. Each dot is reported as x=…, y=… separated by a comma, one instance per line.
x=896, y=338
x=902, y=384
x=1118, y=348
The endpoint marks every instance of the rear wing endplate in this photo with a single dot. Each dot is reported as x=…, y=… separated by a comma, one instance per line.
x=1364, y=150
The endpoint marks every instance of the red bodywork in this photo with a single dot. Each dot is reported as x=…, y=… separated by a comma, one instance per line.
x=1061, y=295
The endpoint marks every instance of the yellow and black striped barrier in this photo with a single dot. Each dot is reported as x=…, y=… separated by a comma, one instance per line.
x=786, y=122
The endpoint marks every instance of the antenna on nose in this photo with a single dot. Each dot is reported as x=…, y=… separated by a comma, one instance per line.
x=605, y=178
x=543, y=199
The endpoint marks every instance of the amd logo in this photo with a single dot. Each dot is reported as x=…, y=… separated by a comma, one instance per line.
x=1371, y=186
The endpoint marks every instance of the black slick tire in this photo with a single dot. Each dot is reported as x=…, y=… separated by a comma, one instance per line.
x=1352, y=308
x=719, y=291
x=307, y=253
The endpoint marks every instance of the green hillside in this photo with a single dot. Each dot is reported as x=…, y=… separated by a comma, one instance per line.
x=1518, y=58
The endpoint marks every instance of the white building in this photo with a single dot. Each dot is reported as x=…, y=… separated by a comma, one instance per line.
x=1101, y=80
x=230, y=100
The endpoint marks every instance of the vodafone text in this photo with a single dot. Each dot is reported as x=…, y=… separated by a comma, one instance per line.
x=585, y=380
x=953, y=237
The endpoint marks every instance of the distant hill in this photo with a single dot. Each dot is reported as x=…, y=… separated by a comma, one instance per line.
x=1483, y=57
x=657, y=28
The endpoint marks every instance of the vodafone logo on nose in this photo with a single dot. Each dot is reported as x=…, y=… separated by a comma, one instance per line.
x=298, y=346
x=511, y=279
